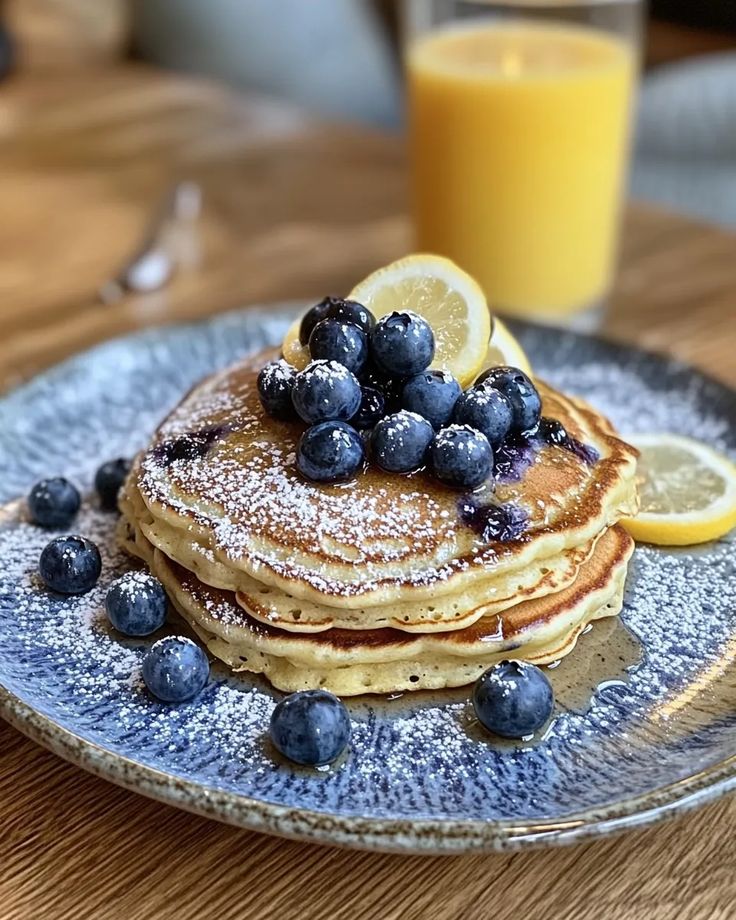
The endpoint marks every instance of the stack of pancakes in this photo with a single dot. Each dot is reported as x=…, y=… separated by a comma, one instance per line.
x=383, y=583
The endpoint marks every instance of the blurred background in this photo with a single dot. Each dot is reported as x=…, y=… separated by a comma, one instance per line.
x=340, y=59
x=287, y=119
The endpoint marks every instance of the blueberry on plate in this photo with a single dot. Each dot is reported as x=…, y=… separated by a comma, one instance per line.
x=175, y=669
x=399, y=442
x=311, y=727
x=520, y=392
x=347, y=311
x=329, y=452
x=334, y=340
x=402, y=344
x=326, y=391
x=275, y=384
x=433, y=395
x=53, y=502
x=513, y=699
x=461, y=456
x=487, y=410
x=109, y=479
x=70, y=565
x=136, y=604
x=372, y=408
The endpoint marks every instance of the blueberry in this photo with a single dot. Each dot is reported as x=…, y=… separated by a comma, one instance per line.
x=391, y=387
x=136, y=604
x=433, y=395
x=175, y=669
x=371, y=376
x=372, y=408
x=487, y=410
x=520, y=392
x=350, y=311
x=317, y=313
x=53, y=502
x=70, y=565
x=461, y=456
x=513, y=699
x=552, y=432
x=393, y=390
x=347, y=311
x=402, y=344
x=109, y=478
x=399, y=442
x=333, y=340
x=325, y=391
x=311, y=727
x=329, y=452
x=275, y=385
x=494, y=523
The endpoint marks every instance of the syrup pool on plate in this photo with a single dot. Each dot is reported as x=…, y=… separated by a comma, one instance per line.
x=605, y=656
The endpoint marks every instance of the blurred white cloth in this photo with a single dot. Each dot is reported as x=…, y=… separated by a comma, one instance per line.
x=685, y=154
x=333, y=57
x=330, y=56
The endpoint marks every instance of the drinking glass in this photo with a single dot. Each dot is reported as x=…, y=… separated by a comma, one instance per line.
x=519, y=121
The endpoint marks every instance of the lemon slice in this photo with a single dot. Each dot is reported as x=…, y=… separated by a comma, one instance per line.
x=504, y=349
x=687, y=492
x=446, y=296
x=292, y=349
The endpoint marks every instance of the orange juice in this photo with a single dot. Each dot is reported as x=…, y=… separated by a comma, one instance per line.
x=519, y=137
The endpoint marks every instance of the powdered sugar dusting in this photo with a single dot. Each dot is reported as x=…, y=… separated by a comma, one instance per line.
x=415, y=755
x=418, y=756
x=230, y=469
x=249, y=474
x=638, y=404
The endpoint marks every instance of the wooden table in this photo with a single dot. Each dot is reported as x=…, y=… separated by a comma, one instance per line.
x=292, y=209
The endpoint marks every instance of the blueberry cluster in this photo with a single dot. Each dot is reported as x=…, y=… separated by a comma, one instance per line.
x=174, y=669
x=72, y=564
x=372, y=377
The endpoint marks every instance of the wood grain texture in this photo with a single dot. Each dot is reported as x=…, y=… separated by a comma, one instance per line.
x=292, y=209
x=67, y=34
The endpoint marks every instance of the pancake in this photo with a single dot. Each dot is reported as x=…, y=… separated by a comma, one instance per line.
x=219, y=481
x=385, y=583
x=273, y=606
x=349, y=662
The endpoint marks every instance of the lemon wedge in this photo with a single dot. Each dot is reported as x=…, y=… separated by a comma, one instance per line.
x=687, y=492
x=447, y=297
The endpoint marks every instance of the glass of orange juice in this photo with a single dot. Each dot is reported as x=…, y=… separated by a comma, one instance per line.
x=519, y=120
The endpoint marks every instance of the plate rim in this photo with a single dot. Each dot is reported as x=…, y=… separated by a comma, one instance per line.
x=408, y=836
x=428, y=836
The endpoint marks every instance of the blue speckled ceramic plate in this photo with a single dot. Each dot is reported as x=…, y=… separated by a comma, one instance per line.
x=419, y=777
